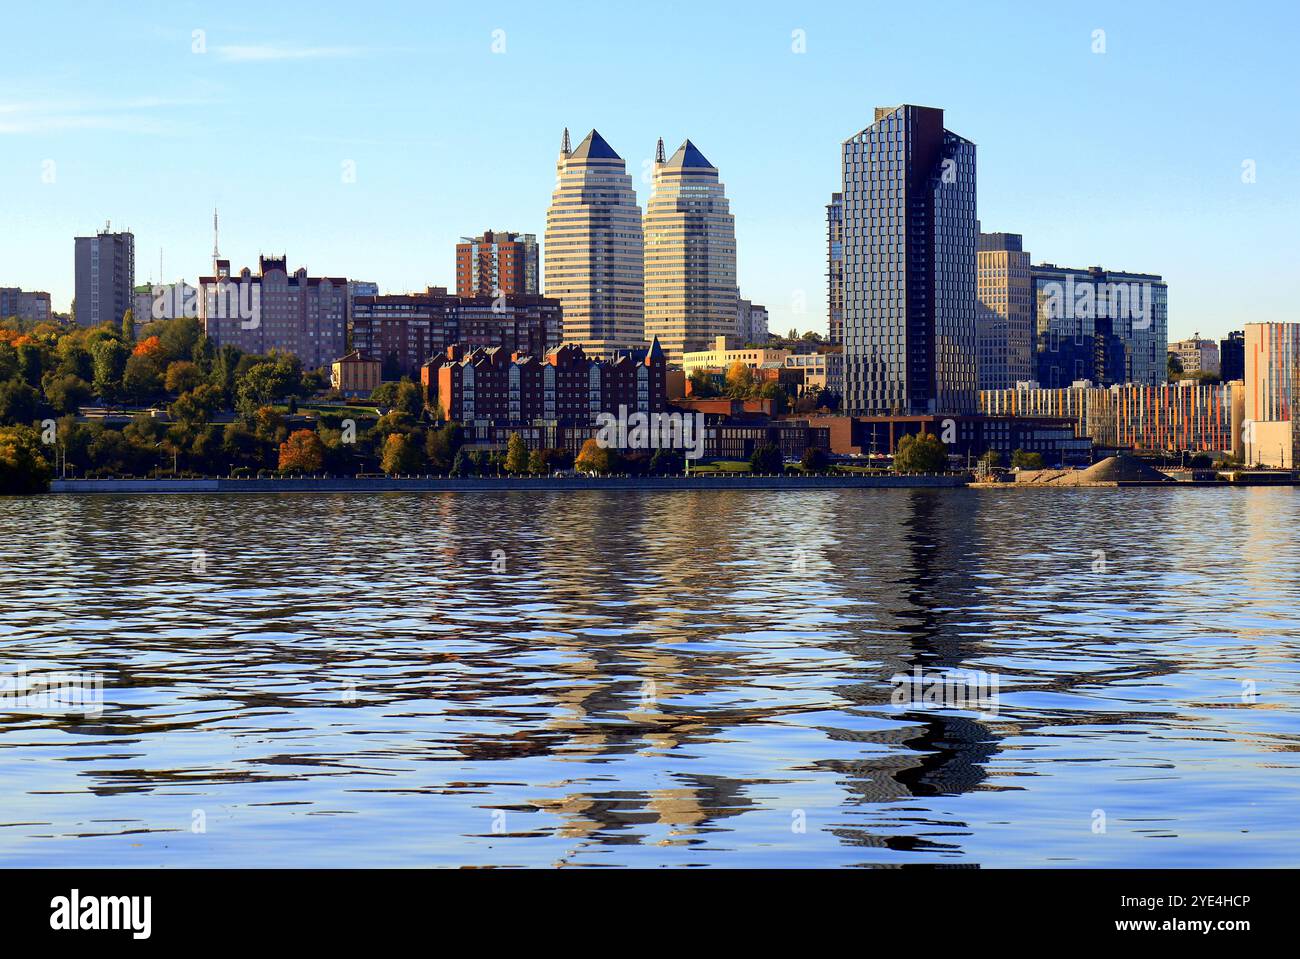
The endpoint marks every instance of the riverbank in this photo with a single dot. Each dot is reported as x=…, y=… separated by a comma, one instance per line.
x=479, y=484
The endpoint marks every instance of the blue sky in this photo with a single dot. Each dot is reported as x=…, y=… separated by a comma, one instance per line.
x=1131, y=158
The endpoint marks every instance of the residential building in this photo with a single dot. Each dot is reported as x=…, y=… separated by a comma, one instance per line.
x=1196, y=355
x=690, y=254
x=835, y=267
x=564, y=386
x=751, y=323
x=1005, y=315
x=496, y=263
x=821, y=371
x=276, y=310
x=967, y=436
x=30, y=306
x=355, y=374
x=1271, y=376
x=909, y=244
x=1176, y=417
x=105, y=277
x=1232, y=356
x=403, y=330
x=1101, y=325
x=595, y=249
x=726, y=351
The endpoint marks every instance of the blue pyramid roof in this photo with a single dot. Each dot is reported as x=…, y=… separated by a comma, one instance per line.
x=594, y=147
x=688, y=156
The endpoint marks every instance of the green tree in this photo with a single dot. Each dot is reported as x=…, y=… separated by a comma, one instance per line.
x=17, y=403
x=385, y=395
x=1173, y=367
x=128, y=326
x=65, y=392
x=141, y=379
x=814, y=460
x=408, y=397
x=442, y=445
x=920, y=454
x=182, y=376
x=667, y=462
x=1023, y=459
x=109, y=358
x=23, y=466
x=767, y=458
x=516, y=454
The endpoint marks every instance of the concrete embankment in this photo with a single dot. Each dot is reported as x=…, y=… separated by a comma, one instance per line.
x=481, y=484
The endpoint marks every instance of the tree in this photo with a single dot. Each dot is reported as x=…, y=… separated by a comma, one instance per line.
x=667, y=462
x=182, y=376
x=991, y=460
x=408, y=397
x=128, y=326
x=267, y=381
x=302, y=452
x=594, y=458
x=920, y=454
x=814, y=460
x=65, y=392
x=109, y=358
x=1022, y=459
x=385, y=395
x=400, y=455
x=441, y=446
x=141, y=379
x=516, y=454
x=767, y=458
x=17, y=403
x=193, y=410
x=702, y=384
x=23, y=466
x=150, y=346
x=1173, y=366
x=740, y=380
x=462, y=465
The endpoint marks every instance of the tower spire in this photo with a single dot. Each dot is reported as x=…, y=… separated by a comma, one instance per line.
x=216, y=251
x=566, y=147
x=659, y=151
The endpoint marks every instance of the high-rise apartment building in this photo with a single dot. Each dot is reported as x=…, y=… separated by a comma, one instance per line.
x=594, y=249
x=496, y=263
x=1196, y=355
x=105, y=277
x=1101, y=325
x=1232, y=357
x=1005, y=315
x=751, y=322
x=275, y=310
x=690, y=254
x=835, y=267
x=909, y=242
x=1272, y=376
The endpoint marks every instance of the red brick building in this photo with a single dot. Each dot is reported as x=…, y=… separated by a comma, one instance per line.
x=496, y=263
x=563, y=386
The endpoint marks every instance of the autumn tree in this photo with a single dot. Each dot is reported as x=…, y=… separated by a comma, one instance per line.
x=400, y=455
x=594, y=458
x=302, y=452
x=516, y=454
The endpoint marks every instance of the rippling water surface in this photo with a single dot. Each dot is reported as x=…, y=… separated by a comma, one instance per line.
x=647, y=679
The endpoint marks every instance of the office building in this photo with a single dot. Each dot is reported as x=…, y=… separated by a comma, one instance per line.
x=1232, y=356
x=594, y=249
x=909, y=245
x=105, y=277
x=727, y=350
x=690, y=254
x=1196, y=355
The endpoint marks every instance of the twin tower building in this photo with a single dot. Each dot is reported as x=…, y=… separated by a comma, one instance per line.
x=624, y=279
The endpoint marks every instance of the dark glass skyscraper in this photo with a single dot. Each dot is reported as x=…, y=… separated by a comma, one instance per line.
x=1232, y=357
x=909, y=243
x=835, y=268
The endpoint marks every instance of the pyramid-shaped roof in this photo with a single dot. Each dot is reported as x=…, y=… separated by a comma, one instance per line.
x=594, y=147
x=688, y=156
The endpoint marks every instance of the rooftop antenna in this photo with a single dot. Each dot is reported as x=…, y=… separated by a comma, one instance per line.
x=659, y=151
x=565, y=147
x=216, y=251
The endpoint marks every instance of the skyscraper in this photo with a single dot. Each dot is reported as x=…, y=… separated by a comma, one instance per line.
x=594, y=249
x=835, y=267
x=909, y=235
x=105, y=277
x=1232, y=356
x=1005, y=316
x=496, y=263
x=690, y=254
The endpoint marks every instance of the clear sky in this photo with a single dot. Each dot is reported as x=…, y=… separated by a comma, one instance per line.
x=1130, y=159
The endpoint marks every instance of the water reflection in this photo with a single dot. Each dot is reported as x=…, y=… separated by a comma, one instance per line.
x=645, y=679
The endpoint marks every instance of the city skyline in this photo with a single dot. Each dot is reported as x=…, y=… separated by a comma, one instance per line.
x=131, y=157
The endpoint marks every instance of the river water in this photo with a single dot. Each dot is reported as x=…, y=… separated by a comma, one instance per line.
x=646, y=679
